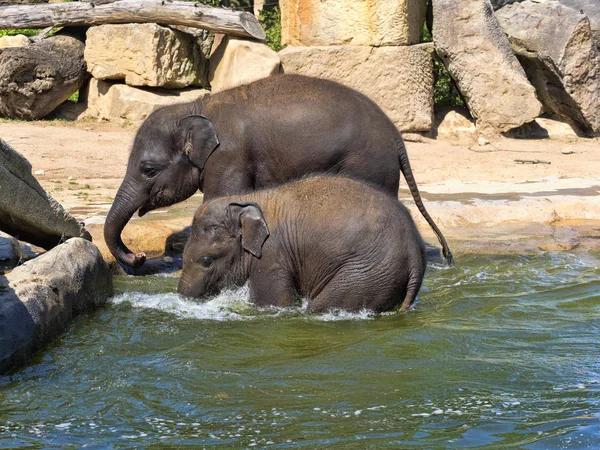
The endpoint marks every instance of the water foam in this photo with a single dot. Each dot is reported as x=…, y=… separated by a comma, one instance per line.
x=228, y=305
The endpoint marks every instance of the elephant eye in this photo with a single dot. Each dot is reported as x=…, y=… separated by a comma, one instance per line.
x=151, y=171
x=206, y=262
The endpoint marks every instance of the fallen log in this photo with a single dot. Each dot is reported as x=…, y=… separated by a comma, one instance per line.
x=218, y=20
x=37, y=78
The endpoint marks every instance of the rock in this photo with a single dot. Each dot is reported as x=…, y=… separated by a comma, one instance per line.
x=144, y=55
x=35, y=79
x=350, y=22
x=238, y=61
x=398, y=79
x=110, y=101
x=544, y=128
x=453, y=122
x=19, y=40
x=70, y=111
x=9, y=252
x=555, y=46
x=482, y=141
x=479, y=58
x=39, y=299
x=413, y=137
x=590, y=8
x=12, y=251
x=27, y=212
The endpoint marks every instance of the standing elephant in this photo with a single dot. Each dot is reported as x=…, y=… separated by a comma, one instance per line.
x=254, y=136
x=335, y=241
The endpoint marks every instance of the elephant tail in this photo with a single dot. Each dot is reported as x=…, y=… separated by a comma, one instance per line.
x=414, y=190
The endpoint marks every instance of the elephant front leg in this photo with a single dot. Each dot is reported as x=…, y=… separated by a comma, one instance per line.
x=272, y=287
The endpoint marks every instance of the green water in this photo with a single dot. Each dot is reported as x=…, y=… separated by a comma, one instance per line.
x=500, y=352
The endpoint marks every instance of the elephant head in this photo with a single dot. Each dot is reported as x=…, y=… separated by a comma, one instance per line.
x=224, y=237
x=165, y=166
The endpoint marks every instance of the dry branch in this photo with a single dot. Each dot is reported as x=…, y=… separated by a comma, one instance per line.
x=161, y=12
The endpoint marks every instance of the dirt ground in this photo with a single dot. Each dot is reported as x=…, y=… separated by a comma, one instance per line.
x=464, y=184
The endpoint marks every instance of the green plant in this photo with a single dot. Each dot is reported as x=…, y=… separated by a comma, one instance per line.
x=74, y=97
x=25, y=31
x=270, y=19
x=444, y=90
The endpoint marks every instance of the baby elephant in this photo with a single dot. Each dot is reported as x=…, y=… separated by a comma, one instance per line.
x=335, y=241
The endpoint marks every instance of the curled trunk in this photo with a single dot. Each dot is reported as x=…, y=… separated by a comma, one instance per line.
x=120, y=212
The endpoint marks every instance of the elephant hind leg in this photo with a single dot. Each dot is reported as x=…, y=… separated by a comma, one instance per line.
x=343, y=293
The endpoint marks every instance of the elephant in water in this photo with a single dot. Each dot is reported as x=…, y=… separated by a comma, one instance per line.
x=259, y=135
x=335, y=241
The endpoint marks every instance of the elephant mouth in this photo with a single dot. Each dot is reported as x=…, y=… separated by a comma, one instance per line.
x=143, y=210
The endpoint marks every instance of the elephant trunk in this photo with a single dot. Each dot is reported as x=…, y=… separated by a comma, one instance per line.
x=127, y=201
x=184, y=287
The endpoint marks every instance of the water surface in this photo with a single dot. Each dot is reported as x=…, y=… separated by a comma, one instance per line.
x=500, y=352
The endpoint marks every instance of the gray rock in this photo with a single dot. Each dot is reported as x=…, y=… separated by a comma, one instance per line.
x=479, y=58
x=9, y=251
x=590, y=8
x=27, y=212
x=349, y=22
x=111, y=101
x=37, y=78
x=456, y=123
x=398, y=78
x=144, y=55
x=555, y=46
x=39, y=299
x=238, y=61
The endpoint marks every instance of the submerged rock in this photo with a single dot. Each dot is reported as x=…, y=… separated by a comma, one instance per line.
x=27, y=212
x=39, y=298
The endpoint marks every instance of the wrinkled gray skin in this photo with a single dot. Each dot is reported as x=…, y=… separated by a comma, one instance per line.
x=335, y=241
x=254, y=136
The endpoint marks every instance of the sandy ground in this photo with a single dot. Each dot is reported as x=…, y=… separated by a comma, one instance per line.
x=479, y=195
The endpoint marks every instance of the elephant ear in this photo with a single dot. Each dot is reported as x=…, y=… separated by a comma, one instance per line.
x=253, y=227
x=200, y=138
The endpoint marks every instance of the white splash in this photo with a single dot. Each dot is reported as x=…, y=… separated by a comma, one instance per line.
x=230, y=305
x=225, y=306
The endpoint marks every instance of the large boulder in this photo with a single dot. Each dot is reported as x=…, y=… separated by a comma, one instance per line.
x=479, y=57
x=352, y=22
x=398, y=79
x=27, y=212
x=109, y=101
x=238, y=61
x=35, y=79
x=555, y=46
x=144, y=55
x=590, y=8
x=39, y=299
